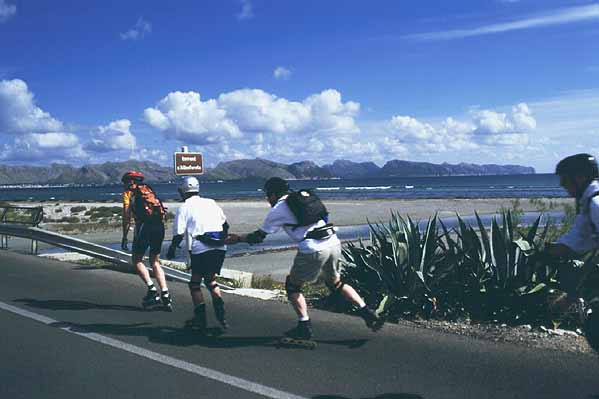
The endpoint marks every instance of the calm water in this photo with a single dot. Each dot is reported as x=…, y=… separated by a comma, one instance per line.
x=512, y=186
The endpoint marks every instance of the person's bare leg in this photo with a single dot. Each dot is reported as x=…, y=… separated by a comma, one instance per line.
x=158, y=272
x=298, y=301
x=351, y=295
x=373, y=321
x=142, y=271
x=217, y=300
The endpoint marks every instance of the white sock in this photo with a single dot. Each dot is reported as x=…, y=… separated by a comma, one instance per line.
x=302, y=318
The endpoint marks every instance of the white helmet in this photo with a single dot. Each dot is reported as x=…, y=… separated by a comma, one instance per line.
x=189, y=184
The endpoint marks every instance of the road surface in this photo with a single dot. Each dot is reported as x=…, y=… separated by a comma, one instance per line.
x=70, y=331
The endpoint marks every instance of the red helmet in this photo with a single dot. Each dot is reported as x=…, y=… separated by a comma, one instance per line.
x=132, y=175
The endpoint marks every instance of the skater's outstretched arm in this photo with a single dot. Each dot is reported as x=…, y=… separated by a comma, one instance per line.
x=255, y=237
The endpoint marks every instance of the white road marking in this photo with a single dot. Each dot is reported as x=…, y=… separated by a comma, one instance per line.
x=157, y=357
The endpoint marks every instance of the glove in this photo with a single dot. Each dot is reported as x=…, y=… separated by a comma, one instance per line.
x=232, y=239
x=170, y=254
x=124, y=244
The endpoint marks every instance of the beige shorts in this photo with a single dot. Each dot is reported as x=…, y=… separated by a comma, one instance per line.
x=307, y=267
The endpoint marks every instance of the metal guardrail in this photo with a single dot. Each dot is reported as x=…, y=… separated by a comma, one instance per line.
x=83, y=247
x=30, y=216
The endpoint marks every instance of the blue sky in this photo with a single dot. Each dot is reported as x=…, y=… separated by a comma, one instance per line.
x=485, y=81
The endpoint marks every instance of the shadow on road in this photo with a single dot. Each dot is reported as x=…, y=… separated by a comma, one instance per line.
x=59, y=304
x=184, y=337
x=383, y=396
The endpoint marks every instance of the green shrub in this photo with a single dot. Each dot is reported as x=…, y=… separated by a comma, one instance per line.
x=492, y=274
x=70, y=219
x=78, y=208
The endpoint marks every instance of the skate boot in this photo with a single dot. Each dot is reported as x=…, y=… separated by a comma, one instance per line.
x=299, y=337
x=302, y=332
x=371, y=319
x=219, y=312
x=167, y=301
x=198, y=322
x=151, y=299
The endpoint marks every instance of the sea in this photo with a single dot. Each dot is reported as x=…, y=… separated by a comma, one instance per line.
x=504, y=186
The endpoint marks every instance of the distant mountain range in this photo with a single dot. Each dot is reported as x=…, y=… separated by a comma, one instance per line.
x=247, y=169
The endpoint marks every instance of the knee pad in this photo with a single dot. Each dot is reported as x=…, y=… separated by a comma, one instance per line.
x=335, y=288
x=194, y=286
x=292, y=288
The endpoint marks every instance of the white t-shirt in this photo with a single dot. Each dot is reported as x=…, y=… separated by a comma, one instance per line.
x=280, y=216
x=197, y=216
x=583, y=237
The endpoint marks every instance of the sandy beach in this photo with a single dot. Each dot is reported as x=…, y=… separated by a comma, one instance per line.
x=245, y=216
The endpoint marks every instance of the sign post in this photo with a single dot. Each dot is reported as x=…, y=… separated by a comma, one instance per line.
x=188, y=163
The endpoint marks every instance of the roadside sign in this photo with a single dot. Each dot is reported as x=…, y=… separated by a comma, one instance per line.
x=188, y=163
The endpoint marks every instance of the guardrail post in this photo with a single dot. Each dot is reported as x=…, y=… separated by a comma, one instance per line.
x=3, y=241
x=34, y=247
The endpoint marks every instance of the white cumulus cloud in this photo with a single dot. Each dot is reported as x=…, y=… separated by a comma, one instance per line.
x=185, y=117
x=46, y=147
x=7, y=10
x=410, y=129
x=138, y=31
x=281, y=73
x=520, y=121
x=116, y=136
x=18, y=112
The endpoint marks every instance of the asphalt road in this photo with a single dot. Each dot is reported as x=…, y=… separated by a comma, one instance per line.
x=72, y=331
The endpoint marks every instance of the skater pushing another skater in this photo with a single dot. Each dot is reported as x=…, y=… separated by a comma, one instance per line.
x=141, y=203
x=304, y=218
x=203, y=225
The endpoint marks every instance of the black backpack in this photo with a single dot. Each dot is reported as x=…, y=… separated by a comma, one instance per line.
x=307, y=207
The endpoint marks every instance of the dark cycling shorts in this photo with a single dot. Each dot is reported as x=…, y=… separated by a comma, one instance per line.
x=209, y=262
x=148, y=235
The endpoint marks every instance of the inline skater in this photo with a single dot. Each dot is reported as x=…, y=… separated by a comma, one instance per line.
x=579, y=176
x=141, y=203
x=304, y=218
x=204, y=226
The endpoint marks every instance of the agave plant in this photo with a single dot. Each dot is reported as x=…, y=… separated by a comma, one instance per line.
x=511, y=285
x=406, y=262
x=485, y=273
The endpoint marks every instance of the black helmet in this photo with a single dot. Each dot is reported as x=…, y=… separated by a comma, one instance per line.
x=276, y=185
x=578, y=165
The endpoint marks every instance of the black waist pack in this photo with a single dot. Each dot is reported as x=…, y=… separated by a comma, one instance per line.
x=321, y=233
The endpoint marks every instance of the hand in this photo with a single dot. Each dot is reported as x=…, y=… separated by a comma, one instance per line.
x=232, y=239
x=170, y=254
x=124, y=244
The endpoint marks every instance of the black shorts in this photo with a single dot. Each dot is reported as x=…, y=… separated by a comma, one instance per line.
x=209, y=262
x=148, y=235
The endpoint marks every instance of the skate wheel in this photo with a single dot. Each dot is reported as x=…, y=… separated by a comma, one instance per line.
x=300, y=343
